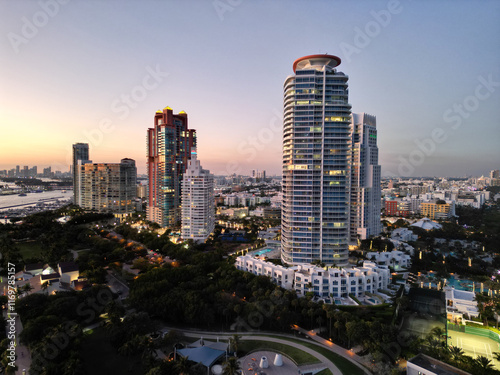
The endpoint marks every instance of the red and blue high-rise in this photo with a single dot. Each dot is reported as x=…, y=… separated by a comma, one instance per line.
x=169, y=145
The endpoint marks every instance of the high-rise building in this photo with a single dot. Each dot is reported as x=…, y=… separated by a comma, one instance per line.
x=107, y=187
x=365, y=178
x=169, y=145
x=495, y=173
x=80, y=153
x=198, y=204
x=316, y=163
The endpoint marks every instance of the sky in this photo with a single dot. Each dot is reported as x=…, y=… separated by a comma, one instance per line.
x=96, y=72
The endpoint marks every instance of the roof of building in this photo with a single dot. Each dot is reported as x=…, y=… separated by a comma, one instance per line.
x=427, y=224
x=68, y=267
x=50, y=276
x=207, y=356
x=329, y=60
x=33, y=266
x=435, y=366
x=463, y=295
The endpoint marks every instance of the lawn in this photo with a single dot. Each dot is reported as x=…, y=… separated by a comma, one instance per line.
x=343, y=364
x=100, y=357
x=30, y=249
x=324, y=372
x=297, y=355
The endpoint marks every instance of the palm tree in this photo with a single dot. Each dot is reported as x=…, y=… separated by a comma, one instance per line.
x=456, y=353
x=231, y=366
x=483, y=365
x=438, y=333
x=497, y=356
x=183, y=365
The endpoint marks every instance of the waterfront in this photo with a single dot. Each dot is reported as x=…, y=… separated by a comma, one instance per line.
x=15, y=205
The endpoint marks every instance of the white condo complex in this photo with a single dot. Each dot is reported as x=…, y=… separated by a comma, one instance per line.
x=198, y=205
x=325, y=283
x=331, y=176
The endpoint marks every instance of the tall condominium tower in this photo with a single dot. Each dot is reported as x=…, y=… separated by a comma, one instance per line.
x=80, y=153
x=365, y=178
x=316, y=163
x=169, y=145
x=107, y=187
x=198, y=204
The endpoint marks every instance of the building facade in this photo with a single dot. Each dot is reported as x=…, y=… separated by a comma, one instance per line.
x=324, y=283
x=198, y=203
x=316, y=163
x=435, y=211
x=366, y=191
x=80, y=153
x=169, y=145
x=107, y=187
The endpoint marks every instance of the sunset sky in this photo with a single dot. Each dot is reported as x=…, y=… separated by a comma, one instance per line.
x=96, y=72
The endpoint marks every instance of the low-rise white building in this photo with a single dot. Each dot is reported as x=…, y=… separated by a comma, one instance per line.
x=323, y=282
x=337, y=283
x=280, y=275
x=459, y=303
x=396, y=259
x=404, y=235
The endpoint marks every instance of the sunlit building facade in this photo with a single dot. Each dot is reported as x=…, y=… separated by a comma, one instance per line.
x=80, y=153
x=198, y=203
x=316, y=163
x=169, y=145
x=107, y=187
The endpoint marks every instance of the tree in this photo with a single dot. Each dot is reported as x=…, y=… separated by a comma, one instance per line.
x=234, y=342
x=231, y=366
x=483, y=365
x=456, y=353
x=438, y=333
x=183, y=365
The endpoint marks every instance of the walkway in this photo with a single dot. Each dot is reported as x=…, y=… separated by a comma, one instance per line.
x=23, y=357
x=347, y=354
x=325, y=361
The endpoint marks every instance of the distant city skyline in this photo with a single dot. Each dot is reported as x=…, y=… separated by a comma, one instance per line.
x=429, y=72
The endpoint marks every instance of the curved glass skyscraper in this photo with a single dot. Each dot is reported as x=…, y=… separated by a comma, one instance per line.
x=316, y=163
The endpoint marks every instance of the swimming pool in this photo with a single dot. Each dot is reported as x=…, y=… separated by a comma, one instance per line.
x=261, y=252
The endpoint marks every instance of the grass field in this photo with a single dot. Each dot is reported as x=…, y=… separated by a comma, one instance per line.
x=100, y=357
x=343, y=364
x=474, y=345
x=297, y=355
x=30, y=249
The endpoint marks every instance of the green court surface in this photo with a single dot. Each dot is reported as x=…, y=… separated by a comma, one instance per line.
x=420, y=326
x=474, y=345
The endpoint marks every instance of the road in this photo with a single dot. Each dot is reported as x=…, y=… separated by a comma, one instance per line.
x=23, y=357
x=347, y=354
x=117, y=286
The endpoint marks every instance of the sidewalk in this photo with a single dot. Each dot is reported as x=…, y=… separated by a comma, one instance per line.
x=23, y=356
x=347, y=354
x=324, y=361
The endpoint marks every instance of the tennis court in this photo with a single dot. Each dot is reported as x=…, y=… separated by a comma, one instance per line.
x=420, y=326
x=474, y=345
